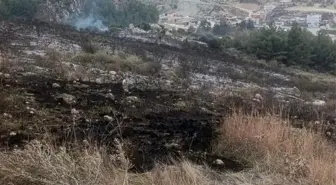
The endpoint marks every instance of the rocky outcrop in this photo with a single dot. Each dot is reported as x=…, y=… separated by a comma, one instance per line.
x=59, y=11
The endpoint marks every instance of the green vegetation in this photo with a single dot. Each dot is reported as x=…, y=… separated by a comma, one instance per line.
x=18, y=8
x=295, y=47
x=131, y=12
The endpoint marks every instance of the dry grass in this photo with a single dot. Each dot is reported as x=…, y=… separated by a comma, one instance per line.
x=42, y=164
x=271, y=145
x=116, y=62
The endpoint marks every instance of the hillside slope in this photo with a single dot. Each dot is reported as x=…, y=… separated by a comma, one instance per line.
x=107, y=97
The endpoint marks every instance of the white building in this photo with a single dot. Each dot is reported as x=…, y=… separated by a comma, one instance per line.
x=313, y=21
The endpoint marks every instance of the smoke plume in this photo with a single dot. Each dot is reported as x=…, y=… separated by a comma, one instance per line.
x=90, y=22
x=89, y=18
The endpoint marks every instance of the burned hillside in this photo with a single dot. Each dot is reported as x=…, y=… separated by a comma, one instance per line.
x=162, y=101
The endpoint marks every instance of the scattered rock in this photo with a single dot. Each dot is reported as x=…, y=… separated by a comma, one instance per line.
x=99, y=81
x=318, y=102
x=83, y=86
x=112, y=73
x=31, y=110
x=132, y=99
x=218, y=162
x=317, y=122
x=258, y=97
x=110, y=96
x=108, y=118
x=180, y=104
x=296, y=91
x=6, y=75
x=68, y=99
x=6, y=115
x=74, y=111
x=56, y=85
x=127, y=83
x=256, y=100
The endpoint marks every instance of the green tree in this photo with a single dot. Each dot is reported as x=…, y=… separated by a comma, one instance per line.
x=298, y=46
x=323, y=53
x=133, y=12
x=221, y=29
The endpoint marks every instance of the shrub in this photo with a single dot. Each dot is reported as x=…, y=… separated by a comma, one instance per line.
x=89, y=47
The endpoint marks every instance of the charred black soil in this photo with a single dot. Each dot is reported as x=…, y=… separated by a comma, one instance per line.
x=153, y=129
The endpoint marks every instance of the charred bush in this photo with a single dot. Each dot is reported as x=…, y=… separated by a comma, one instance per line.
x=89, y=47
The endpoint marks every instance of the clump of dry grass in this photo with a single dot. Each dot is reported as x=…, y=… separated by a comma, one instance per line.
x=44, y=164
x=270, y=144
x=117, y=62
x=183, y=173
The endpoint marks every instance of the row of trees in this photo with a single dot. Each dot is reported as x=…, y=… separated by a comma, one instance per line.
x=296, y=46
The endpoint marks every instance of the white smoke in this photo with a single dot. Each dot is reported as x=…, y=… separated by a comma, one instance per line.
x=90, y=22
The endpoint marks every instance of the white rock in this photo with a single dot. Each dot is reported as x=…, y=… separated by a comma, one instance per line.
x=329, y=133
x=256, y=100
x=132, y=99
x=110, y=96
x=56, y=85
x=74, y=111
x=112, y=73
x=31, y=110
x=6, y=115
x=258, y=96
x=127, y=83
x=99, y=81
x=181, y=104
x=7, y=75
x=318, y=102
x=218, y=162
x=108, y=118
x=12, y=133
x=68, y=99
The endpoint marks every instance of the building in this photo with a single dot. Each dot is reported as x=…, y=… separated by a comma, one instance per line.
x=313, y=21
x=285, y=3
x=258, y=17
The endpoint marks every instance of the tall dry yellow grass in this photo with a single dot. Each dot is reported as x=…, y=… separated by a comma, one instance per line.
x=270, y=144
x=42, y=164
